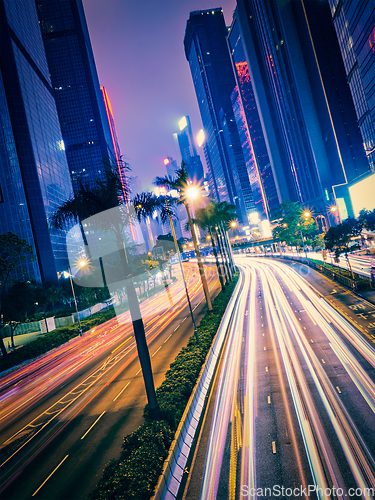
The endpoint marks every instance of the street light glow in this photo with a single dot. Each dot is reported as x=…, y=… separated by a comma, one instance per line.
x=233, y=224
x=307, y=214
x=192, y=192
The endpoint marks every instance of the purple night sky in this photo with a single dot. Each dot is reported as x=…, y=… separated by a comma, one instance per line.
x=140, y=59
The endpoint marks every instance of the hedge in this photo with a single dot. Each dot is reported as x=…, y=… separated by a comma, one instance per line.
x=135, y=474
x=53, y=339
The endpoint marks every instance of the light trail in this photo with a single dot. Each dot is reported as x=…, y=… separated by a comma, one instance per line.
x=289, y=328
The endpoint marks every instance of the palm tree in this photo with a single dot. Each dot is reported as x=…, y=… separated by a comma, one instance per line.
x=145, y=205
x=224, y=214
x=108, y=194
x=205, y=220
x=180, y=184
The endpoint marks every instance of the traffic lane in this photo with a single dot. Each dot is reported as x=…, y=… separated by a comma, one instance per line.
x=63, y=364
x=356, y=411
x=355, y=308
x=128, y=392
x=280, y=459
x=310, y=365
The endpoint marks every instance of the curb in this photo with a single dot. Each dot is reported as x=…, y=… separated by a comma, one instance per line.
x=174, y=466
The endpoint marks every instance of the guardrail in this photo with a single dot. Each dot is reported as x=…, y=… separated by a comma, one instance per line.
x=360, y=283
x=174, y=466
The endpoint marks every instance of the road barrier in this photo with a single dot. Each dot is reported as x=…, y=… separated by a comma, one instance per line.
x=174, y=466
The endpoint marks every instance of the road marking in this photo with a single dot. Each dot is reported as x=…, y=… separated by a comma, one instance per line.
x=312, y=341
x=177, y=328
x=127, y=340
x=167, y=338
x=266, y=368
x=97, y=420
x=269, y=400
x=44, y=482
x=264, y=347
x=158, y=349
x=338, y=389
x=273, y=447
x=183, y=320
x=122, y=390
x=323, y=361
x=139, y=371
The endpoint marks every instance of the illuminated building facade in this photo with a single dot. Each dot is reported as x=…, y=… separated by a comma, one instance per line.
x=34, y=174
x=80, y=105
x=213, y=78
x=184, y=139
x=298, y=84
x=354, y=22
x=258, y=164
x=171, y=166
x=121, y=165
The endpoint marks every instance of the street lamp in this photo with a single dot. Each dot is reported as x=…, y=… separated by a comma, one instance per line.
x=192, y=192
x=81, y=264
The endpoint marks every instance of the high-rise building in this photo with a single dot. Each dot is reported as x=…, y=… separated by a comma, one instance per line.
x=265, y=192
x=213, y=78
x=80, y=104
x=34, y=174
x=354, y=22
x=171, y=166
x=122, y=166
x=299, y=89
x=185, y=141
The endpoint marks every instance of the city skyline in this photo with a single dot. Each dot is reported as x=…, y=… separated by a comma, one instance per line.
x=121, y=34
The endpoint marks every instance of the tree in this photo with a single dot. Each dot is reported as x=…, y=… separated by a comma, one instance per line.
x=180, y=184
x=341, y=238
x=18, y=304
x=292, y=226
x=14, y=252
x=224, y=213
x=206, y=220
x=108, y=194
x=367, y=217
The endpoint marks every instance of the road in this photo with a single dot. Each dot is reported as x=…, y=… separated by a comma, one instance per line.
x=63, y=416
x=361, y=264
x=293, y=406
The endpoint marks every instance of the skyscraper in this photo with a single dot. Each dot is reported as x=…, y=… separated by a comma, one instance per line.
x=34, y=174
x=79, y=100
x=184, y=139
x=354, y=23
x=308, y=125
x=210, y=65
x=171, y=166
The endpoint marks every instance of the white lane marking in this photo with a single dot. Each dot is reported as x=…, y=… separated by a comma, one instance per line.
x=122, y=390
x=97, y=420
x=167, y=338
x=177, y=328
x=139, y=371
x=44, y=482
x=158, y=349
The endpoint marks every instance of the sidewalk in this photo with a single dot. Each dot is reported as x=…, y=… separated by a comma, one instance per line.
x=20, y=340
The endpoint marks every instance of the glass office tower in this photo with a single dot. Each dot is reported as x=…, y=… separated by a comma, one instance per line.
x=207, y=52
x=185, y=142
x=354, y=22
x=34, y=175
x=80, y=105
x=262, y=178
x=299, y=88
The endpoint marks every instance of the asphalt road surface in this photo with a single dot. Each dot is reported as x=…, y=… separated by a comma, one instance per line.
x=292, y=413
x=63, y=416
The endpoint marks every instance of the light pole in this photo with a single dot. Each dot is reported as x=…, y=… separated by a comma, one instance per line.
x=82, y=263
x=192, y=192
x=182, y=272
x=303, y=243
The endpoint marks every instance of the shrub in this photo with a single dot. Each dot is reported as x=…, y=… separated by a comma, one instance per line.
x=136, y=474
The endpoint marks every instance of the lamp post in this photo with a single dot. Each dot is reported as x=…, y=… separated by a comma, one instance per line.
x=82, y=263
x=192, y=192
x=303, y=243
x=182, y=272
